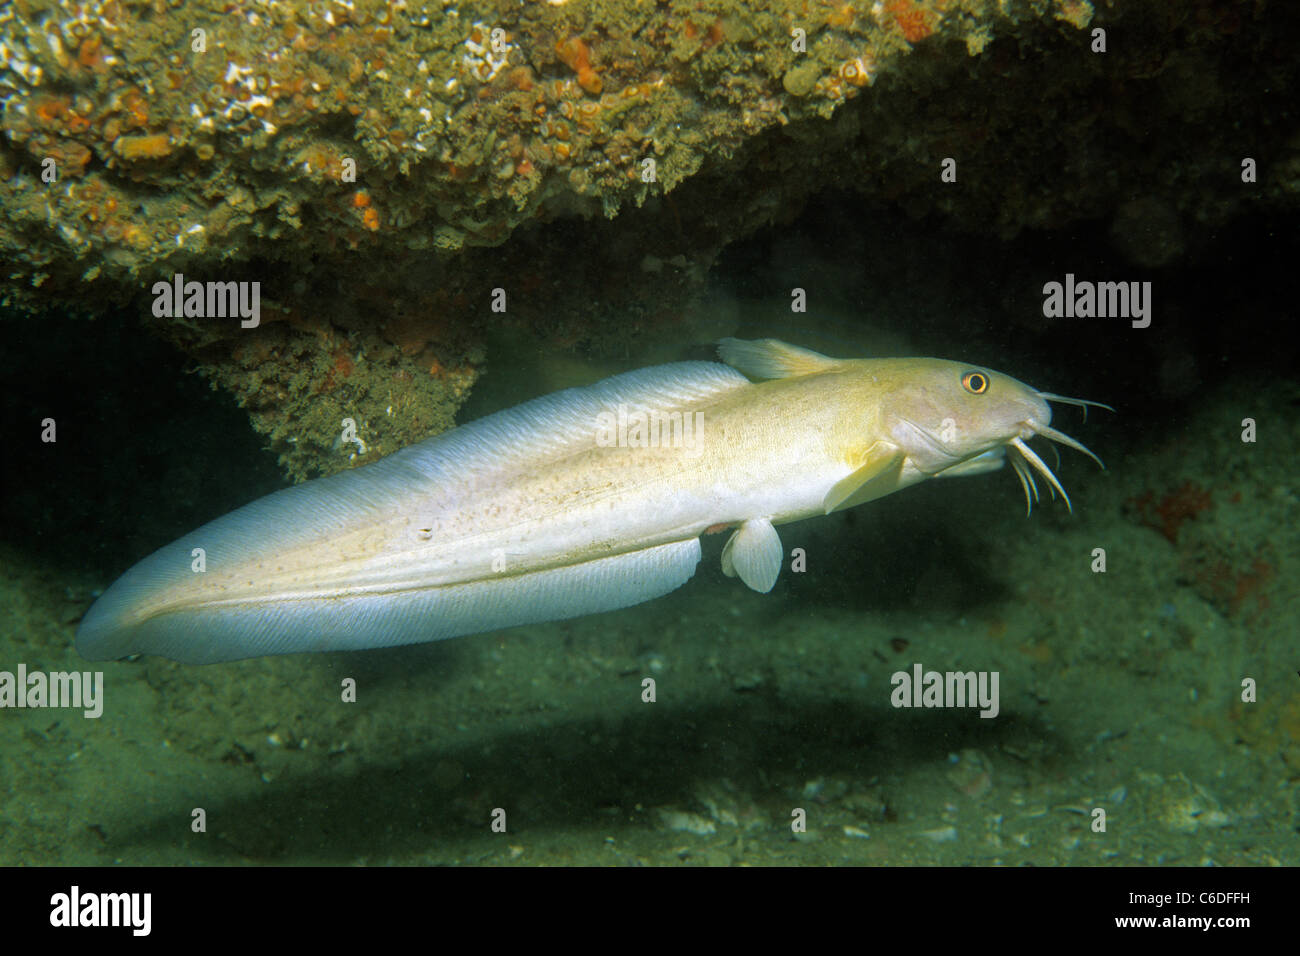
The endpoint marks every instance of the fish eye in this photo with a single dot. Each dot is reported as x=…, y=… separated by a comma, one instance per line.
x=977, y=383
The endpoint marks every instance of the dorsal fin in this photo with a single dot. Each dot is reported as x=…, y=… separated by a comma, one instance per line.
x=772, y=358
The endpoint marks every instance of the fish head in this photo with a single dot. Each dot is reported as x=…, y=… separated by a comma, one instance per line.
x=952, y=418
x=944, y=413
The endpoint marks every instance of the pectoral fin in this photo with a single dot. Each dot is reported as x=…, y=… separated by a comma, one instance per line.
x=875, y=478
x=754, y=553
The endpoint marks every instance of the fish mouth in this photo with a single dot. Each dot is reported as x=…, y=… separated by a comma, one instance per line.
x=934, y=445
x=1027, y=461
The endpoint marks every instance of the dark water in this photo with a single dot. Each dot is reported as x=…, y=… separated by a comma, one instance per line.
x=1121, y=693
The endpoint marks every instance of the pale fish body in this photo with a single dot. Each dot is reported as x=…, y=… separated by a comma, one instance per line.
x=551, y=510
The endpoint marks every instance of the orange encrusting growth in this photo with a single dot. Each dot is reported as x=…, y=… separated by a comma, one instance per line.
x=576, y=55
x=154, y=146
x=1168, y=514
x=88, y=53
x=915, y=22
